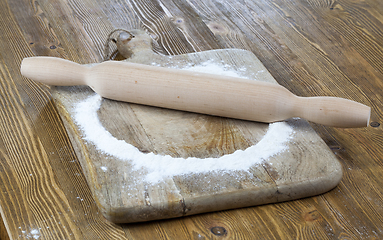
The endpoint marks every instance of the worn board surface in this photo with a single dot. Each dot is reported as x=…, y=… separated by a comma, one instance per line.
x=306, y=168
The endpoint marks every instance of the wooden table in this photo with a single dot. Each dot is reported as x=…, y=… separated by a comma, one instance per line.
x=311, y=47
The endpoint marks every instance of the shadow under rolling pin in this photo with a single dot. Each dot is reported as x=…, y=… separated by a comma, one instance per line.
x=196, y=92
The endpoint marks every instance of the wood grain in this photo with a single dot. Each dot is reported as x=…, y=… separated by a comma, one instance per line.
x=312, y=47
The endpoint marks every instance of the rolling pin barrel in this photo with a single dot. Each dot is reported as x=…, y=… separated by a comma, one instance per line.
x=196, y=92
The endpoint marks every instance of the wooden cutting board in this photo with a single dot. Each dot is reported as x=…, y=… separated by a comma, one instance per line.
x=141, y=187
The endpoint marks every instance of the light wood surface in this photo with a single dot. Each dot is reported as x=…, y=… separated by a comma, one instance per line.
x=207, y=93
x=313, y=48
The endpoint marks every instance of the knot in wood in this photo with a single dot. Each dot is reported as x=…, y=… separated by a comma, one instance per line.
x=312, y=216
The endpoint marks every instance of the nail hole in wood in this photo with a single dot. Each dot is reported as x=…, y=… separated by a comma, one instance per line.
x=335, y=148
x=218, y=231
x=374, y=124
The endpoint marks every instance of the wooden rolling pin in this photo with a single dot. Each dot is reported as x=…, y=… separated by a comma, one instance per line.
x=196, y=92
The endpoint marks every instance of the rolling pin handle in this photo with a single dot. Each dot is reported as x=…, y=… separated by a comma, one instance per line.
x=334, y=111
x=54, y=71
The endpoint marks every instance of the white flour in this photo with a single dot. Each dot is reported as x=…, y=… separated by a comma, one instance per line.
x=33, y=234
x=159, y=167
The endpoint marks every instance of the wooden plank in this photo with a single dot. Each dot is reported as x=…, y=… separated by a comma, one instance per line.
x=42, y=183
x=327, y=34
x=347, y=31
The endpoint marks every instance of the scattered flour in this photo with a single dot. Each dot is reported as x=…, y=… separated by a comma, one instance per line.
x=159, y=167
x=211, y=67
x=33, y=234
